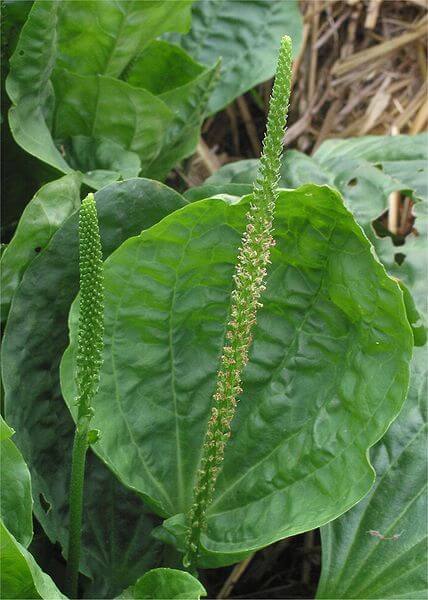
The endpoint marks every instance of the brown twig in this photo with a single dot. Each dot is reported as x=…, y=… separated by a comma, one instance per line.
x=249, y=125
x=234, y=577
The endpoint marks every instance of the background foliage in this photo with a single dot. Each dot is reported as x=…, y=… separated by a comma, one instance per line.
x=129, y=99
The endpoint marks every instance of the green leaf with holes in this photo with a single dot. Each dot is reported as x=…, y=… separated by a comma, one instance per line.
x=328, y=370
x=15, y=489
x=365, y=170
x=159, y=584
x=20, y=576
x=79, y=102
x=246, y=35
x=401, y=159
x=42, y=217
x=34, y=340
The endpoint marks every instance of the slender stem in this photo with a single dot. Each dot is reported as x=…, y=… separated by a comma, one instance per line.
x=88, y=360
x=80, y=447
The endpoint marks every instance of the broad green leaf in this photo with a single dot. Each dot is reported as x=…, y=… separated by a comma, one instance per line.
x=72, y=110
x=397, y=163
x=98, y=106
x=360, y=564
x=162, y=67
x=29, y=87
x=328, y=370
x=100, y=37
x=34, y=340
x=246, y=35
x=160, y=584
x=185, y=86
x=365, y=170
x=15, y=489
x=20, y=575
x=41, y=218
x=356, y=564
x=90, y=155
x=185, y=92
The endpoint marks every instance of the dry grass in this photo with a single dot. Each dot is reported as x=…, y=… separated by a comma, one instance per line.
x=361, y=70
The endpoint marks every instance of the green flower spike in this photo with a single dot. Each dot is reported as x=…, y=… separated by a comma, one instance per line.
x=91, y=325
x=249, y=279
x=89, y=358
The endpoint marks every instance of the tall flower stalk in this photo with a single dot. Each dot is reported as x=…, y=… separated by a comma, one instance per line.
x=249, y=277
x=89, y=358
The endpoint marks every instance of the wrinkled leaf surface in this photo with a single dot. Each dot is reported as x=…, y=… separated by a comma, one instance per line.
x=35, y=337
x=332, y=324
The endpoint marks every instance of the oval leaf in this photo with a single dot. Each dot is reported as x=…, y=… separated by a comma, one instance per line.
x=72, y=109
x=327, y=374
x=42, y=217
x=34, y=340
x=160, y=584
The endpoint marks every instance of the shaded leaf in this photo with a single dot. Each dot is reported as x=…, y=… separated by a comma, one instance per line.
x=296, y=169
x=401, y=157
x=235, y=190
x=159, y=584
x=88, y=154
x=35, y=337
x=45, y=213
x=309, y=411
x=71, y=110
x=184, y=86
x=162, y=67
x=103, y=107
x=245, y=35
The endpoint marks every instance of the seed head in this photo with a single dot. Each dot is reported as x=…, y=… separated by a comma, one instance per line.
x=250, y=273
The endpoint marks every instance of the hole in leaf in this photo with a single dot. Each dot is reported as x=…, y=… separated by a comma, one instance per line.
x=399, y=258
x=403, y=222
x=21, y=53
x=421, y=170
x=352, y=182
x=46, y=506
x=38, y=249
x=379, y=166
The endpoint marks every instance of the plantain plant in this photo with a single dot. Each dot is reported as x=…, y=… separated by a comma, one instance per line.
x=89, y=357
x=323, y=378
x=179, y=349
